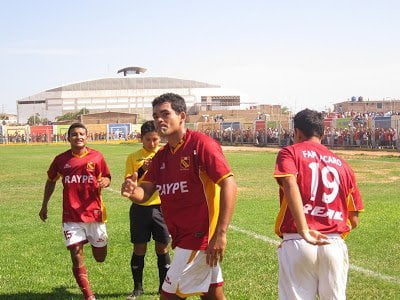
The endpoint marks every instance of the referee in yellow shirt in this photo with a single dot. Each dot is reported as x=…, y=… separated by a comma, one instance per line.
x=146, y=219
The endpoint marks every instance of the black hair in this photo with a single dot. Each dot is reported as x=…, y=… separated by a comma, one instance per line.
x=310, y=122
x=76, y=125
x=177, y=102
x=147, y=127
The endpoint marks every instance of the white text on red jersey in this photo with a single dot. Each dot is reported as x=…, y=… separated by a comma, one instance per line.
x=320, y=211
x=78, y=179
x=324, y=158
x=172, y=188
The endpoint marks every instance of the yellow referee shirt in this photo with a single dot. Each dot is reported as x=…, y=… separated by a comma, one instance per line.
x=133, y=163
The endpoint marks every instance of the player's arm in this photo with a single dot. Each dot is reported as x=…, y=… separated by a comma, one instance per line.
x=135, y=193
x=216, y=247
x=353, y=218
x=104, y=178
x=295, y=204
x=48, y=191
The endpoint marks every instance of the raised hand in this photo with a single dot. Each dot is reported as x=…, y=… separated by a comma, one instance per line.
x=129, y=185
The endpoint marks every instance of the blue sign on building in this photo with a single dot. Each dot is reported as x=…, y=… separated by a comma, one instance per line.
x=118, y=131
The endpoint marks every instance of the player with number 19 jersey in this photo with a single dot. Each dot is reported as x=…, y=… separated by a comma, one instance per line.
x=319, y=174
x=81, y=194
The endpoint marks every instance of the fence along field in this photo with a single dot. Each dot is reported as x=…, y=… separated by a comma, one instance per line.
x=35, y=265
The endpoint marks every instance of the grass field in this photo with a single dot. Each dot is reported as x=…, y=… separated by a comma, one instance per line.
x=34, y=263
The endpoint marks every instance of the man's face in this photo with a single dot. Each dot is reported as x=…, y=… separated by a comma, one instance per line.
x=150, y=141
x=78, y=138
x=166, y=120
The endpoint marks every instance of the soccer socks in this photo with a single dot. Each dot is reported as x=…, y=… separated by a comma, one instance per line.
x=83, y=281
x=137, y=265
x=163, y=262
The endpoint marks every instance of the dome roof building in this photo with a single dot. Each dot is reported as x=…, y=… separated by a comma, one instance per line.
x=129, y=94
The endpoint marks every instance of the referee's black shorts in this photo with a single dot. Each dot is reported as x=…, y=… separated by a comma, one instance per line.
x=147, y=221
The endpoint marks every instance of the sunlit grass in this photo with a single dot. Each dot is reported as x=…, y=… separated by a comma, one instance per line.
x=34, y=263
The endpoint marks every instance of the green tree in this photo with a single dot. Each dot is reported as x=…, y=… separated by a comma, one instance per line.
x=34, y=119
x=285, y=110
x=72, y=116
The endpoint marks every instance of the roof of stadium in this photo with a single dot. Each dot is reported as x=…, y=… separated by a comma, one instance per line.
x=132, y=83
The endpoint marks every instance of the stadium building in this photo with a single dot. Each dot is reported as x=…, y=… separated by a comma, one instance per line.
x=360, y=105
x=128, y=94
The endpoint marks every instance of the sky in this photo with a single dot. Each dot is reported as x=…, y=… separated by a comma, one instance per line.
x=300, y=54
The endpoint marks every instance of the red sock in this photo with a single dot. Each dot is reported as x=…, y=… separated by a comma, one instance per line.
x=83, y=281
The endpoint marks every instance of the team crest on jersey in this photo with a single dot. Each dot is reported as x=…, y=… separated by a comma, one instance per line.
x=185, y=162
x=90, y=165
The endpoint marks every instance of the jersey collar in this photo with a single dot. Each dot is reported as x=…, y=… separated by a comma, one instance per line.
x=179, y=145
x=81, y=155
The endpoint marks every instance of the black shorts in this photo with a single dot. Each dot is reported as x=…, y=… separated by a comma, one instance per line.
x=147, y=221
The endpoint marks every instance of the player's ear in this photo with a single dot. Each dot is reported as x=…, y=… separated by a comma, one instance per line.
x=183, y=116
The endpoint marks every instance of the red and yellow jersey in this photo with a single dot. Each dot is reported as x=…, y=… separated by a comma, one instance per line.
x=81, y=194
x=187, y=180
x=327, y=186
x=134, y=162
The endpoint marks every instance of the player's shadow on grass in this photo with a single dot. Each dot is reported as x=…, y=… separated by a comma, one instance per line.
x=59, y=293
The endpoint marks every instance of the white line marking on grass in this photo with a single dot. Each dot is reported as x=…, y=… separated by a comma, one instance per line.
x=114, y=191
x=277, y=242
x=255, y=235
x=375, y=274
x=352, y=267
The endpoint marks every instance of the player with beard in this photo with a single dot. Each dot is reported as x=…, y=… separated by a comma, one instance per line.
x=197, y=191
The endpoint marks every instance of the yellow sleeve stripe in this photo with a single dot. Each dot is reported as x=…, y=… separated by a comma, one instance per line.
x=282, y=175
x=223, y=177
x=350, y=202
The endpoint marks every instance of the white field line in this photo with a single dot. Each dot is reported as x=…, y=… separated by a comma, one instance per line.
x=277, y=242
x=352, y=267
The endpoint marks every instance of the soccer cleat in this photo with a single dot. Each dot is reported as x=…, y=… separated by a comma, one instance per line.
x=136, y=293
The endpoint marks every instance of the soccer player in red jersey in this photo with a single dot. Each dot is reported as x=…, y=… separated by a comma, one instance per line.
x=84, y=173
x=197, y=192
x=319, y=205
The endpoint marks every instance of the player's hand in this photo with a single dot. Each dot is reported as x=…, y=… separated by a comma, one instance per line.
x=216, y=249
x=43, y=214
x=146, y=164
x=129, y=185
x=104, y=182
x=314, y=237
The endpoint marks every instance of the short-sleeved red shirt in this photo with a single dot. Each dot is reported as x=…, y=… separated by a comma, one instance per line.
x=187, y=180
x=327, y=186
x=81, y=194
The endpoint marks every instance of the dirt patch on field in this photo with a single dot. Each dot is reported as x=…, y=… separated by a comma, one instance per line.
x=338, y=151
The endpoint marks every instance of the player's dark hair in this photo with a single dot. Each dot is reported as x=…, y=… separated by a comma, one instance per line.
x=147, y=127
x=76, y=125
x=310, y=122
x=177, y=102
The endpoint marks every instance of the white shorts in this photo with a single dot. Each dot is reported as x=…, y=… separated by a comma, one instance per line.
x=306, y=270
x=94, y=232
x=190, y=275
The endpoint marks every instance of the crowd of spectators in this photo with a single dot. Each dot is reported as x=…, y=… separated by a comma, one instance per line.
x=49, y=137
x=357, y=133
